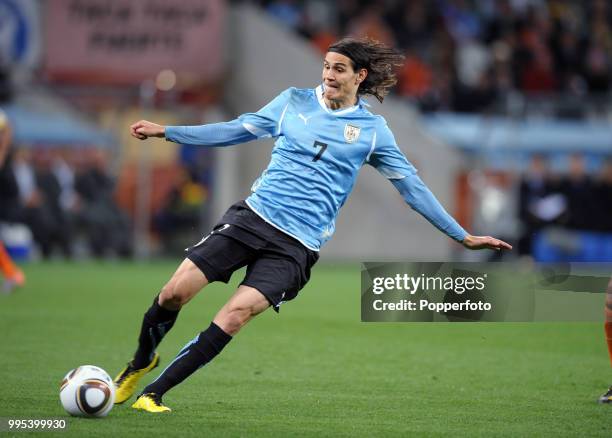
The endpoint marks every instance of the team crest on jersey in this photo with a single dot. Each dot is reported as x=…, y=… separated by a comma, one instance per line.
x=351, y=133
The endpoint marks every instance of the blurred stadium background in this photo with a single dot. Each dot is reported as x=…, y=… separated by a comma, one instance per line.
x=504, y=107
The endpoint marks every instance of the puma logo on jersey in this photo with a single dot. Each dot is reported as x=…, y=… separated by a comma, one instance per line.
x=304, y=118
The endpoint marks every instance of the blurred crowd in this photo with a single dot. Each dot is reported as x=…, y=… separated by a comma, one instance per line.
x=72, y=205
x=577, y=200
x=62, y=195
x=476, y=55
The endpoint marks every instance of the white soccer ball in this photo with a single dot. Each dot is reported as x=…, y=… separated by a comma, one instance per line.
x=87, y=391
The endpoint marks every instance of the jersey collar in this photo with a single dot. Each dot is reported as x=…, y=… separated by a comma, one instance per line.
x=319, y=93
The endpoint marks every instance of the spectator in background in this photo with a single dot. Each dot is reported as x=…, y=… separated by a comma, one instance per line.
x=412, y=23
x=30, y=206
x=539, y=204
x=579, y=191
x=64, y=174
x=322, y=39
x=568, y=56
x=603, y=193
x=26, y=178
x=59, y=228
x=461, y=20
x=597, y=68
x=477, y=98
x=29, y=196
x=499, y=21
x=347, y=11
x=318, y=23
x=106, y=226
x=6, y=88
x=533, y=58
x=415, y=77
x=370, y=23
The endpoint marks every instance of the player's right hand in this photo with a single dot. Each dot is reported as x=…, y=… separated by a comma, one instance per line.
x=144, y=129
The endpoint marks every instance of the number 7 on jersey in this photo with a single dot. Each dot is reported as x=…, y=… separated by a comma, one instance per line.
x=321, y=145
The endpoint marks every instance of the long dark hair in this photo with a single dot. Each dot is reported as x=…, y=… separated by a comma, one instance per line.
x=378, y=59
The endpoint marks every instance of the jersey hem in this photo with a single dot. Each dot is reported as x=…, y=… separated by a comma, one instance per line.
x=266, y=220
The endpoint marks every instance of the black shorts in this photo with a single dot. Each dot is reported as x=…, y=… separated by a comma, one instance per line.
x=278, y=265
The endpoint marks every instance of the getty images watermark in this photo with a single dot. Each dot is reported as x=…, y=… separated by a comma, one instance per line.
x=419, y=292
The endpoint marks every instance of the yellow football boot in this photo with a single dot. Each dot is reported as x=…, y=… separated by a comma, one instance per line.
x=607, y=397
x=150, y=402
x=126, y=381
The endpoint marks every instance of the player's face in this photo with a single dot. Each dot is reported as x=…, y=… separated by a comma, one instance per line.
x=340, y=80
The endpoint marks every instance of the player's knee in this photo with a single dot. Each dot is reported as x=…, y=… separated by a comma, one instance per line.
x=235, y=318
x=171, y=296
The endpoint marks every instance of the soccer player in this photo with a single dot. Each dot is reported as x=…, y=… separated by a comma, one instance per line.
x=324, y=136
x=607, y=397
x=13, y=276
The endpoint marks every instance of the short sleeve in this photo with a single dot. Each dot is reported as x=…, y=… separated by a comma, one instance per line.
x=387, y=158
x=267, y=122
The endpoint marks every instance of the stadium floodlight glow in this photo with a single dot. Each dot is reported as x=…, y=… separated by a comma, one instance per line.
x=165, y=80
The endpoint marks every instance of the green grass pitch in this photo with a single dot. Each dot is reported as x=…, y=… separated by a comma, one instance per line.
x=313, y=370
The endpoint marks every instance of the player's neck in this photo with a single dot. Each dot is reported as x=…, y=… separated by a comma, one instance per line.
x=335, y=105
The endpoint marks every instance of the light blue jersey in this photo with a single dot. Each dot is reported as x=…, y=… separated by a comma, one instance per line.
x=315, y=162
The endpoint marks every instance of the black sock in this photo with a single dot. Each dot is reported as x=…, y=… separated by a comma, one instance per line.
x=155, y=324
x=197, y=353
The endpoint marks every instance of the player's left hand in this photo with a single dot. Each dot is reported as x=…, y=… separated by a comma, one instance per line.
x=485, y=242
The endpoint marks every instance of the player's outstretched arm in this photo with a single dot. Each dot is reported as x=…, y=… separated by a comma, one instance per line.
x=484, y=242
x=213, y=134
x=420, y=198
x=265, y=123
x=391, y=163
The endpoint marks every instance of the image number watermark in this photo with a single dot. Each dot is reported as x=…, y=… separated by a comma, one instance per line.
x=14, y=424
